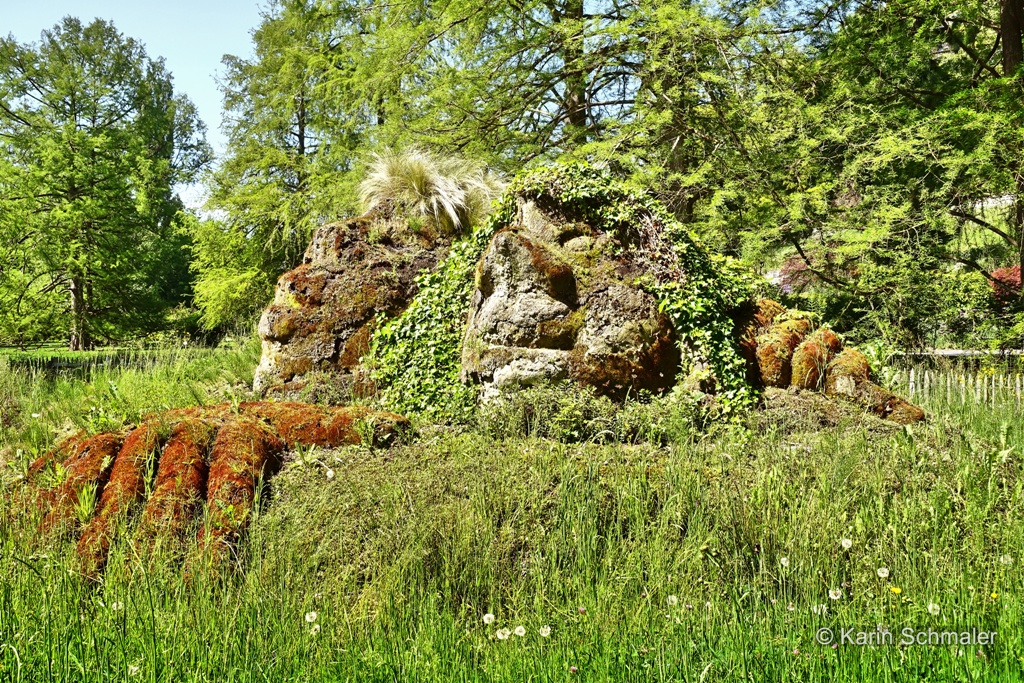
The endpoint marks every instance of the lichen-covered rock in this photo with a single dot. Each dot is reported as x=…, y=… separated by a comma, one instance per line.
x=556, y=299
x=354, y=274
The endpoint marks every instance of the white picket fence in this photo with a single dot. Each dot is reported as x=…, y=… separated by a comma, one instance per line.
x=987, y=388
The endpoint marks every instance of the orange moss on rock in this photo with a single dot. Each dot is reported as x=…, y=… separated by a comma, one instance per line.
x=88, y=466
x=846, y=371
x=752, y=319
x=812, y=357
x=888, y=405
x=244, y=451
x=357, y=346
x=775, y=349
x=214, y=455
x=125, y=489
x=301, y=423
x=180, y=486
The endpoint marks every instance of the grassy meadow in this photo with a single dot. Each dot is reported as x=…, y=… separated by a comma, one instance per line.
x=677, y=555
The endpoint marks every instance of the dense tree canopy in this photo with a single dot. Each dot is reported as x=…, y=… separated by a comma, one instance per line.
x=94, y=141
x=865, y=155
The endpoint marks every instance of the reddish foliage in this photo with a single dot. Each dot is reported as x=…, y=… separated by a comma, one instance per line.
x=1006, y=285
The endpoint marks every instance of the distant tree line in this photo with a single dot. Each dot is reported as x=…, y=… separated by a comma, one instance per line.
x=865, y=155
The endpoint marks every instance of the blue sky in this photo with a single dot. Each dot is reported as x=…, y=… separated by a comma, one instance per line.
x=191, y=35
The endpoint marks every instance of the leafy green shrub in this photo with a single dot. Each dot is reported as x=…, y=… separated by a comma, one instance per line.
x=453, y=192
x=414, y=358
x=571, y=414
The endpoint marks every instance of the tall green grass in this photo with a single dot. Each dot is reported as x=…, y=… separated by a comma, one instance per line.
x=94, y=391
x=710, y=558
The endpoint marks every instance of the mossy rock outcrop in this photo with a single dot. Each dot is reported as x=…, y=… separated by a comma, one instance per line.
x=578, y=277
x=354, y=274
x=578, y=283
x=556, y=298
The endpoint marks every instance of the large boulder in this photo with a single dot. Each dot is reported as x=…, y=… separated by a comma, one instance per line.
x=556, y=299
x=355, y=273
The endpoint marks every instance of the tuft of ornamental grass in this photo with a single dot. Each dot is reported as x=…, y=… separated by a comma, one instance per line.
x=455, y=193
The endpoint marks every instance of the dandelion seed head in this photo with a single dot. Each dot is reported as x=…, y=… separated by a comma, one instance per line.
x=933, y=609
x=1006, y=560
x=314, y=629
x=311, y=617
x=503, y=633
x=847, y=543
x=330, y=474
x=488, y=618
x=835, y=594
x=520, y=631
x=784, y=561
x=673, y=600
x=545, y=631
x=883, y=572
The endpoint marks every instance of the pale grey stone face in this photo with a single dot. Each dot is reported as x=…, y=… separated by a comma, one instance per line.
x=551, y=303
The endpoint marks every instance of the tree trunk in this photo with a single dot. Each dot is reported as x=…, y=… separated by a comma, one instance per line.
x=80, y=340
x=1011, y=24
x=575, y=81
